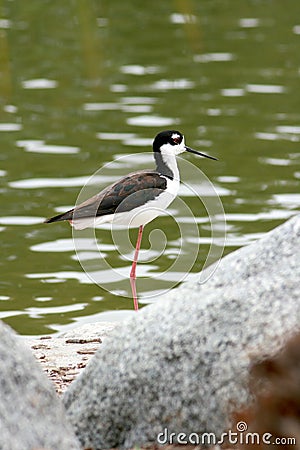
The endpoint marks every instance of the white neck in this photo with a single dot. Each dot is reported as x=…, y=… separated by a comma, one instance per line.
x=170, y=161
x=166, y=164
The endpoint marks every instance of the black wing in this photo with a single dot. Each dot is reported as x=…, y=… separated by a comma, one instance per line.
x=126, y=194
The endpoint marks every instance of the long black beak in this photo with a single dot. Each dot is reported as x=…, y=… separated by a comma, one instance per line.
x=190, y=150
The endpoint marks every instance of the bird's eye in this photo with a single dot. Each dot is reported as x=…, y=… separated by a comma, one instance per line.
x=176, y=139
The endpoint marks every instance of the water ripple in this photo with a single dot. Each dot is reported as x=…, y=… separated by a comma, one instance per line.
x=178, y=18
x=265, y=88
x=37, y=183
x=38, y=146
x=214, y=57
x=135, y=69
x=289, y=201
x=293, y=129
x=39, y=83
x=37, y=312
x=5, y=23
x=67, y=245
x=296, y=29
x=267, y=136
x=166, y=85
x=275, y=161
x=249, y=22
x=10, y=127
x=20, y=220
x=114, y=136
x=138, y=100
x=151, y=121
x=233, y=92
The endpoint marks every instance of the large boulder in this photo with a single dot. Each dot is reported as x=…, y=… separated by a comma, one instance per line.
x=182, y=365
x=31, y=415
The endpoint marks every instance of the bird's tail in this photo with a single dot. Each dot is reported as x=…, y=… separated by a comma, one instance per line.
x=64, y=216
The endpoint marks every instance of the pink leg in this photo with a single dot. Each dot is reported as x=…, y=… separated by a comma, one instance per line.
x=133, y=268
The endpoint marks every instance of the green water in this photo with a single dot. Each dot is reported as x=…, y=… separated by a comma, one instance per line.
x=86, y=83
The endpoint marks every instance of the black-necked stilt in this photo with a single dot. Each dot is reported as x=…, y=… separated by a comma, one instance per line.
x=137, y=198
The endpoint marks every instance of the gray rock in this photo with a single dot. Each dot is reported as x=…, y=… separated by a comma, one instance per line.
x=183, y=364
x=31, y=416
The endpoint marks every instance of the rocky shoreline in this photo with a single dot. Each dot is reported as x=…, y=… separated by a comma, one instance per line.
x=65, y=356
x=181, y=365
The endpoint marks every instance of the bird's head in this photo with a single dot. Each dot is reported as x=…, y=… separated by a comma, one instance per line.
x=171, y=142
